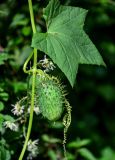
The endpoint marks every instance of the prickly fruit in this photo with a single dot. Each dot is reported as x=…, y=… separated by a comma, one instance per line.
x=49, y=96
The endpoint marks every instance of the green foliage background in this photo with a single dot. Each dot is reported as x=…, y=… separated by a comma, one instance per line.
x=92, y=98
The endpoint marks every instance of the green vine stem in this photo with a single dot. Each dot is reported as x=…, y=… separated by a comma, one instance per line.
x=34, y=71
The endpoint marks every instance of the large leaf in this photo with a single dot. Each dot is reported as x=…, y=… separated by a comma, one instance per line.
x=65, y=41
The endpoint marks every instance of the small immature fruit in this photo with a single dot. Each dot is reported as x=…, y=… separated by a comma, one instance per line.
x=49, y=96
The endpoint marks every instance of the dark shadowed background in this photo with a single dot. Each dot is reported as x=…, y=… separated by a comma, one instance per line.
x=92, y=98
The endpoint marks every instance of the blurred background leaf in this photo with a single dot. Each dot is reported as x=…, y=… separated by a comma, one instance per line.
x=107, y=154
x=3, y=57
x=84, y=152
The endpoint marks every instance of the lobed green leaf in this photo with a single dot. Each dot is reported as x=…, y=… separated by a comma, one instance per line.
x=65, y=41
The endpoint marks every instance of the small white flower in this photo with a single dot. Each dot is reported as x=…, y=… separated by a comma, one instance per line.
x=32, y=145
x=44, y=61
x=33, y=154
x=28, y=109
x=33, y=149
x=36, y=110
x=47, y=64
x=29, y=157
x=17, y=110
x=11, y=125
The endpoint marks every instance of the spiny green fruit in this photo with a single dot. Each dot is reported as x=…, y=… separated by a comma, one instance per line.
x=49, y=96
